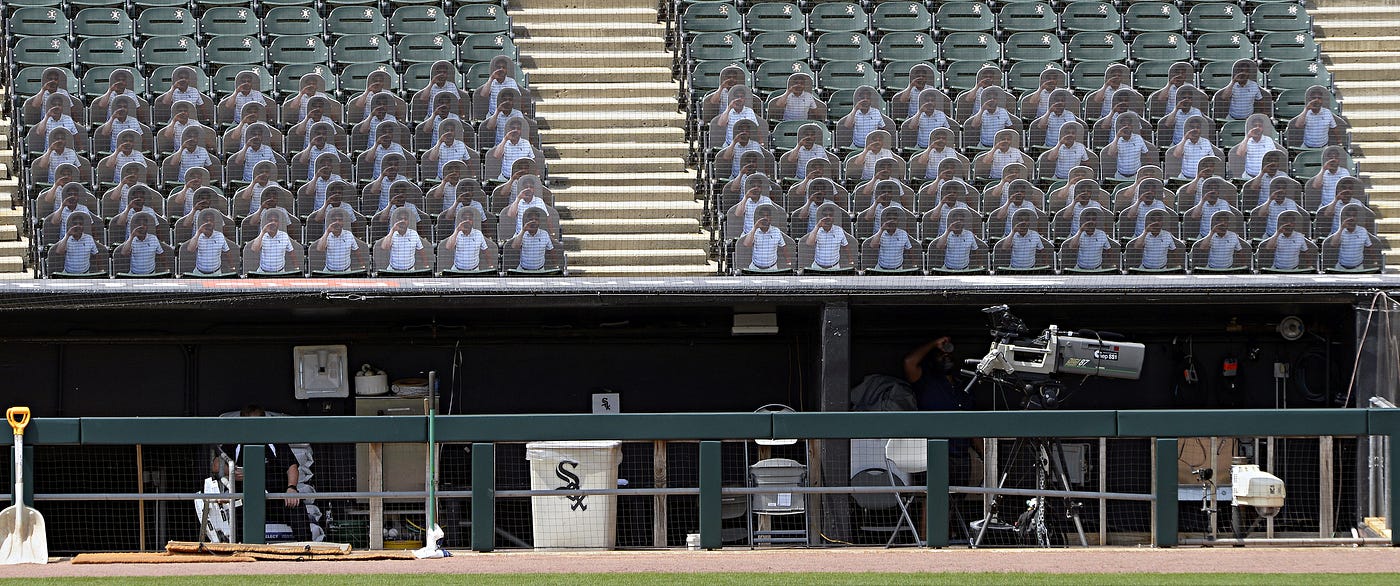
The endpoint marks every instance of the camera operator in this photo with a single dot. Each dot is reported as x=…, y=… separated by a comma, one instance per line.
x=930, y=369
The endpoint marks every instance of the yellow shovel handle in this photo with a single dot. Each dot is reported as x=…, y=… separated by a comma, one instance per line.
x=18, y=418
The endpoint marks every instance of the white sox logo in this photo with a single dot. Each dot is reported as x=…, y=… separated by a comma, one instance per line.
x=576, y=501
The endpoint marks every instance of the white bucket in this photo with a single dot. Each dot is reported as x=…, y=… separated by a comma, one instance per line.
x=574, y=521
x=371, y=385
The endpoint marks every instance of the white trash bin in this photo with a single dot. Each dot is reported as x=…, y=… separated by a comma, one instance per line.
x=574, y=521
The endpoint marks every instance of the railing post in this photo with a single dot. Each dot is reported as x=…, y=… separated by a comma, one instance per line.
x=710, y=498
x=483, y=497
x=254, y=493
x=936, y=502
x=1392, y=470
x=1164, y=490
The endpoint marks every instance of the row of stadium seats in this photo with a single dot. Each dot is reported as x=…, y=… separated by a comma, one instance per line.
x=229, y=21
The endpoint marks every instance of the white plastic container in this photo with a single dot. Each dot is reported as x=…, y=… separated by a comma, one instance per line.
x=574, y=521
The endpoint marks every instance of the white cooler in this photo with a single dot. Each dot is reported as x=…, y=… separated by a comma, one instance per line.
x=574, y=521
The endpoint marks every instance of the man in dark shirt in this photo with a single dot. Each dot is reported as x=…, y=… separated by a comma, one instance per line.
x=930, y=369
x=282, y=473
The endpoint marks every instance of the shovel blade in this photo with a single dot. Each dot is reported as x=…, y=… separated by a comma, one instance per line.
x=26, y=543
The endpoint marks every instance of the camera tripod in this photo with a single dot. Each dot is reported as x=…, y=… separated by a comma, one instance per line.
x=1049, y=472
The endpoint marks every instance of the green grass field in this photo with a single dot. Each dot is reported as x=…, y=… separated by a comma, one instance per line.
x=742, y=579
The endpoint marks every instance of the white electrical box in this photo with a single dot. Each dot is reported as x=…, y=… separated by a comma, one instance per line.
x=321, y=372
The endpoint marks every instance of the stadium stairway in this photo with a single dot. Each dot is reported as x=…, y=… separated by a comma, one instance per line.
x=1361, y=47
x=613, y=136
x=13, y=249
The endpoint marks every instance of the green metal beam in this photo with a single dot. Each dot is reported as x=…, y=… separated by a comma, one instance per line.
x=47, y=431
x=1241, y=422
x=945, y=424
x=936, y=503
x=483, y=497
x=1164, y=487
x=254, y=493
x=710, y=498
x=230, y=430
x=627, y=426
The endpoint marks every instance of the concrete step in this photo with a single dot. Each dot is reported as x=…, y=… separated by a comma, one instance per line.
x=611, y=120
x=559, y=180
x=615, y=150
x=1364, y=103
x=1340, y=57
x=639, y=135
x=9, y=233
x=1342, y=10
x=531, y=44
x=517, y=4
x=616, y=60
x=1382, y=25
x=12, y=268
x=1333, y=45
x=616, y=165
x=525, y=17
x=11, y=217
x=697, y=271
x=570, y=29
x=1364, y=118
x=17, y=249
x=1365, y=71
x=545, y=107
x=598, y=74
x=1369, y=88
x=1366, y=150
x=546, y=91
x=632, y=210
x=646, y=257
x=631, y=226
x=635, y=242
x=598, y=193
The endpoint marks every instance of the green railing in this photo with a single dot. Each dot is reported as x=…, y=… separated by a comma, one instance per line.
x=483, y=431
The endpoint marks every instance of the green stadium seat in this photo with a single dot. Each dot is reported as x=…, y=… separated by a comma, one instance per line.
x=1298, y=74
x=38, y=21
x=223, y=81
x=100, y=51
x=426, y=49
x=234, y=51
x=966, y=46
x=373, y=4
x=293, y=21
x=773, y=17
x=891, y=17
x=169, y=51
x=846, y=75
x=476, y=74
x=843, y=47
x=773, y=75
x=1024, y=76
x=139, y=6
x=14, y=5
x=1288, y=47
x=85, y=4
x=1230, y=134
x=354, y=78
x=1160, y=47
x=784, y=134
x=287, y=79
x=1153, y=17
x=768, y=46
x=1088, y=75
x=159, y=79
x=419, y=20
x=362, y=49
x=402, y=3
x=101, y=22
x=962, y=75
x=166, y=22
x=711, y=17
x=268, y=4
x=480, y=18
x=356, y=20
x=1224, y=47
x=1019, y=17
x=965, y=17
x=837, y=17
x=895, y=75
x=30, y=80
x=1280, y=18
x=481, y=47
x=1082, y=17
x=1033, y=46
x=704, y=75
x=1153, y=75
x=1216, y=17
x=95, y=81
x=1097, y=46
x=730, y=47
x=1291, y=102
x=906, y=47
x=1215, y=75
x=298, y=50
x=211, y=4
x=235, y=22
x=415, y=77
